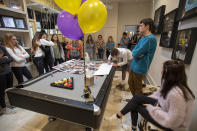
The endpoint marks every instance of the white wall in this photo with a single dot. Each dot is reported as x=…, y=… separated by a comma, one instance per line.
x=110, y=27
x=121, y=14
x=131, y=13
x=163, y=54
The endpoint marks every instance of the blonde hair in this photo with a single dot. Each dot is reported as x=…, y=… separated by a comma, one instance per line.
x=34, y=45
x=8, y=42
x=111, y=39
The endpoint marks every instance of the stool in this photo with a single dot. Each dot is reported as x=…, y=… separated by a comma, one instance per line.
x=145, y=125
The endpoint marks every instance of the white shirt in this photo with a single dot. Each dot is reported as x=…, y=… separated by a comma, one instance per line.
x=39, y=53
x=43, y=42
x=125, y=54
x=46, y=43
x=19, y=56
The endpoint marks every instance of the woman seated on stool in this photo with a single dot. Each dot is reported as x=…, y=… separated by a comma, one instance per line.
x=175, y=101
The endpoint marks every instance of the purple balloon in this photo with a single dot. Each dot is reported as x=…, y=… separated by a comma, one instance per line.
x=82, y=1
x=68, y=25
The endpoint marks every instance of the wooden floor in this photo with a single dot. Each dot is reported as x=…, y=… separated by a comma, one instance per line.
x=25, y=120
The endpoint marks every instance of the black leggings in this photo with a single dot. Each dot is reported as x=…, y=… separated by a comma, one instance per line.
x=134, y=106
x=39, y=63
x=107, y=53
x=48, y=64
x=6, y=81
x=58, y=61
x=19, y=72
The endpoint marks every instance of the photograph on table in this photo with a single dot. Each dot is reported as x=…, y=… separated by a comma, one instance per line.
x=168, y=35
x=185, y=45
x=20, y=23
x=187, y=9
x=158, y=19
x=8, y=22
x=77, y=66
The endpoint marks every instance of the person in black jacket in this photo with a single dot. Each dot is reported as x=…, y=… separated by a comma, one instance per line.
x=48, y=59
x=6, y=78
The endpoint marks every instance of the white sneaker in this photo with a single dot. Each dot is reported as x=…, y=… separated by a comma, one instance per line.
x=126, y=127
x=9, y=111
x=112, y=118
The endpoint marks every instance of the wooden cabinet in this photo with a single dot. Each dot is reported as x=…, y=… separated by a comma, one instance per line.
x=16, y=9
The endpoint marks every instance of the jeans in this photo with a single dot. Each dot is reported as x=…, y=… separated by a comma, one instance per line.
x=100, y=53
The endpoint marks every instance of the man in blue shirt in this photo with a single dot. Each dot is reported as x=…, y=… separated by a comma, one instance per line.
x=124, y=41
x=142, y=56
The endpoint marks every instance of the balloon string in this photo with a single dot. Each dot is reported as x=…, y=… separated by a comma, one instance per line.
x=84, y=61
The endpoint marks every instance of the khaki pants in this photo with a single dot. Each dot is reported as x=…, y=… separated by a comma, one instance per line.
x=135, y=83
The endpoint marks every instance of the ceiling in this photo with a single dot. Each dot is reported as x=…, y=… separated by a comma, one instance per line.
x=32, y=4
x=123, y=1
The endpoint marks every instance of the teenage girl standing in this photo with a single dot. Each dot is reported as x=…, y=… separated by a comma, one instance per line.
x=57, y=52
x=19, y=55
x=48, y=59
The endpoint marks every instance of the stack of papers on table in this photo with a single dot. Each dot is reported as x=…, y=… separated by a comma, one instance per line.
x=104, y=69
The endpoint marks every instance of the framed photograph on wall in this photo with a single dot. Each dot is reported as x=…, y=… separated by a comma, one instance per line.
x=2, y=3
x=185, y=45
x=170, y=26
x=158, y=19
x=8, y=22
x=20, y=23
x=187, y=9
x=1, y=23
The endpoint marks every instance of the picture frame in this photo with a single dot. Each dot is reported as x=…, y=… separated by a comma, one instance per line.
x=8, y=22
x=1, y=23
x=185, y=45
x=20, y=23
x=187, y=9
x=158, y=19
x=2, y=2
x=170, y=26
x=16, y=4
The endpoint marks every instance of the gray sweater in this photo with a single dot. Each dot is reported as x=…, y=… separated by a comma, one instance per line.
x=174, y=112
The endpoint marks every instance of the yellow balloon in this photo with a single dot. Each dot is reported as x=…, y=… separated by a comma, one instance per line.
x=92, y=16
x=71, y=6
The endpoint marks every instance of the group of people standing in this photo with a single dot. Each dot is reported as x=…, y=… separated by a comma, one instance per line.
x=96, y=49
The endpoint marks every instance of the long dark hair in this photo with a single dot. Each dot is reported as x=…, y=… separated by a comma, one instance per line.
x=91, y=39
x=58, y=42
x=174, y=75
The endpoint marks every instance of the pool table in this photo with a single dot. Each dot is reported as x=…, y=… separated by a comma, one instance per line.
x=37, y=95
